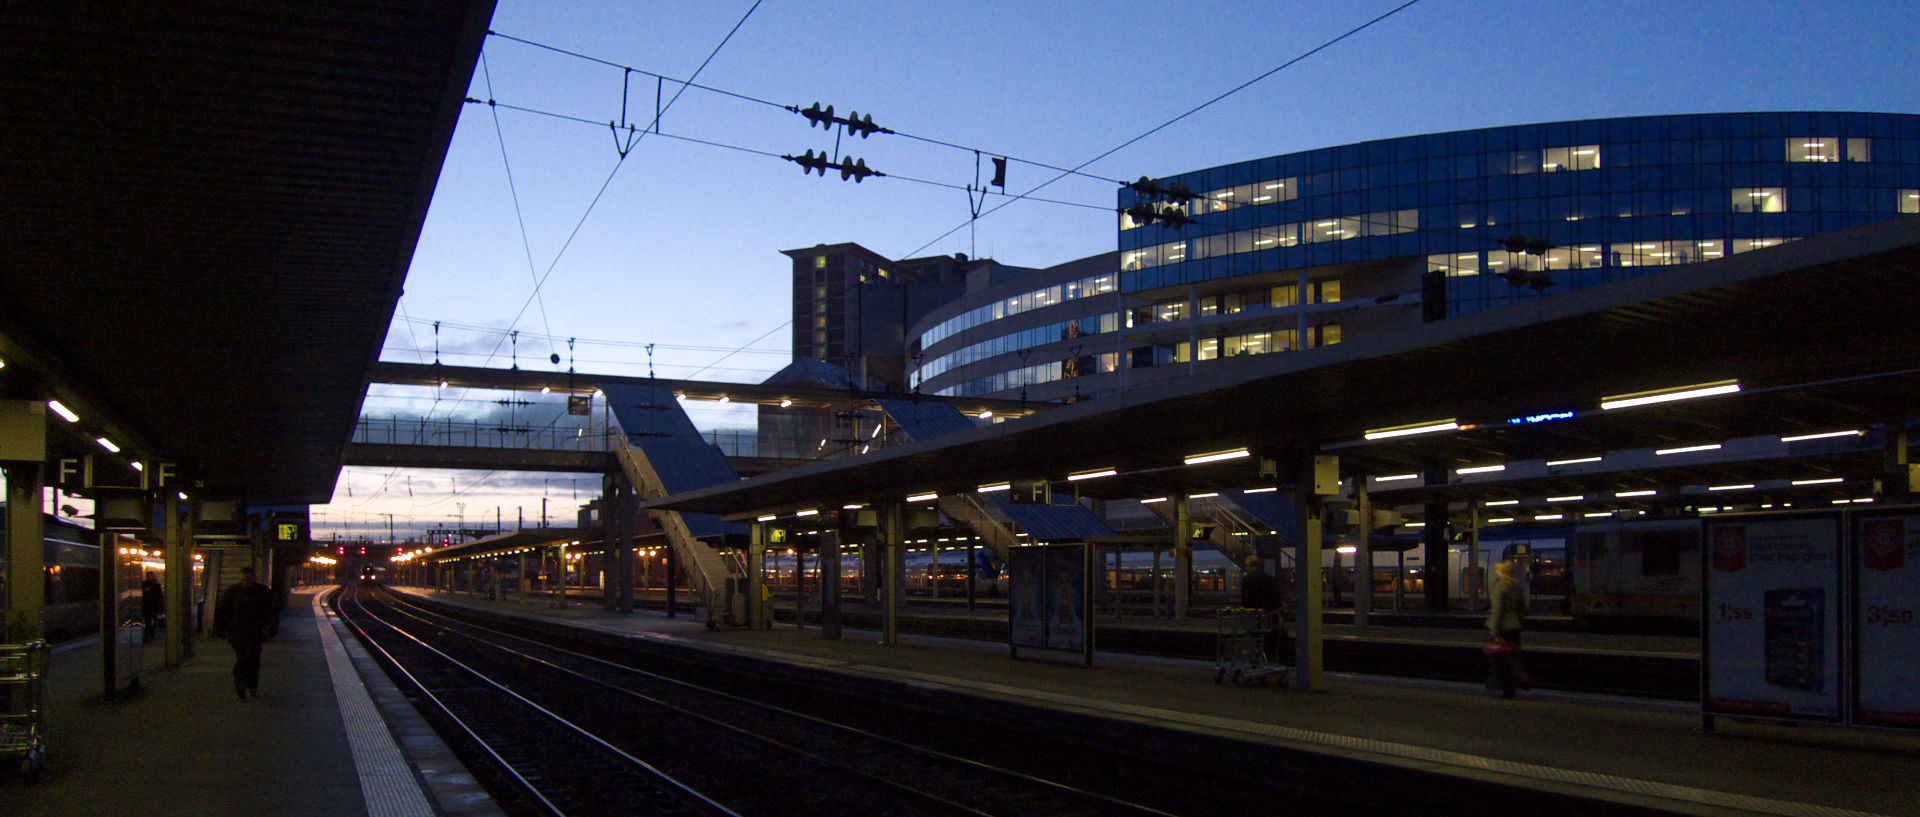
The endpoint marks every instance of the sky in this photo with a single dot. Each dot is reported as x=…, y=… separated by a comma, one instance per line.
x=678, y=244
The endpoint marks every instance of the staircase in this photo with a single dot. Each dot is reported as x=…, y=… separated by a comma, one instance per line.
x=1224, y=523
x=703, y=564
x=969, y=510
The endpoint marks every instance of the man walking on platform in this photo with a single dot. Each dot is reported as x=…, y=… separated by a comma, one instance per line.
x=247, y=613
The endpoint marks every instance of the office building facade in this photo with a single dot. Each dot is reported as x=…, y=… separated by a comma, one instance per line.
x=1309, y=249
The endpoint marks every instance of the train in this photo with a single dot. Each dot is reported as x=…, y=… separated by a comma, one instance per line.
x=72, y=578
x=1640, y=575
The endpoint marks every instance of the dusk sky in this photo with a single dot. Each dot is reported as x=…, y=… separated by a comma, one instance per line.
x=682, y=248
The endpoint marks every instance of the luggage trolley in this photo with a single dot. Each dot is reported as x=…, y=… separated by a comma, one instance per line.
x=1240, y=651
x=23, y=705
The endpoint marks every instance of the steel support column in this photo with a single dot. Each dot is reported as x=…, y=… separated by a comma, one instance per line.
x=622, y=549
x=1309, y=607
x=892, y=533
x=830, y=579
x=1363, y=553
x=1182, y=557
x=610, y=511
x=756, y=576
x=1434, y=541
x=177, y=579
x=26, y=554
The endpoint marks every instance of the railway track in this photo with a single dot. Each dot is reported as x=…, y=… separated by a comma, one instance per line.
x=723, y=751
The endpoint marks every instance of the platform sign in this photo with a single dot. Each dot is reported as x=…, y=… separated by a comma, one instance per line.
x=1047, y=606
x=1886, y=626
x=1771, y=616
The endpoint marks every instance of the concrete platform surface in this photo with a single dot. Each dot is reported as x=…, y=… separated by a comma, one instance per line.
x=1618, y=749
x=309, y=745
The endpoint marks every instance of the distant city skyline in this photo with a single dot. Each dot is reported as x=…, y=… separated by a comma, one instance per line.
x=681, y=247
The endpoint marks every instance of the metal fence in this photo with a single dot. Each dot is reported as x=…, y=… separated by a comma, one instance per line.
x=481, y=434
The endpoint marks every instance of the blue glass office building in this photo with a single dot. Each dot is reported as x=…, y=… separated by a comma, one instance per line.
x=1307, y=249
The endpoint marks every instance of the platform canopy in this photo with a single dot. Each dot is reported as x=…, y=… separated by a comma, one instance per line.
x=210, y=210
x=1818, y=333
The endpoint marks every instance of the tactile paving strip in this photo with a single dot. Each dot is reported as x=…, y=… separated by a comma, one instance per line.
x=386, y=781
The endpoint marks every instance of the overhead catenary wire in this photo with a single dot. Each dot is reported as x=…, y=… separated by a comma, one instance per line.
x=1164, y=125
x=540, y=282
x=618, y=163
x=688, y=83
x=772, y=155
x=519, y=217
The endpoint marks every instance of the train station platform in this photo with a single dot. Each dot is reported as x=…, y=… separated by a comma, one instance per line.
x=1616, y=750
x=327, y=736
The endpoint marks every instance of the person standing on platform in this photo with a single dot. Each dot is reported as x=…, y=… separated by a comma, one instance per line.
x=245, y=618
x=152, y=601
x=1503, y=626
x=1260, y=590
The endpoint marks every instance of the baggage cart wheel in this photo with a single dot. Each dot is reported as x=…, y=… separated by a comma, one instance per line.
x=1220, y=675
x=1239, y=677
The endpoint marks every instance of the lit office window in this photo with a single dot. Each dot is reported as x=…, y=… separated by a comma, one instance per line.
x=1454, y=265
x=1740, y=245
x=1283, y=296
x=1577, y=157
x=1323, y=335
x=1760, y=199
x=1165, y=311
x=1209, y=348
x=819, y=262
x=1910, y=201
x=1828, y=149
x=1325, y=292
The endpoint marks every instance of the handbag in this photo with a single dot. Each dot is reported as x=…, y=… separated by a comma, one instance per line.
x=1496, y=647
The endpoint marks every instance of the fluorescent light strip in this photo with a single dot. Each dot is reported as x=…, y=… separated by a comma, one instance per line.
x=1848, y=433
x=1574, y=498
x=798, y=514
x=64, y=412
x=1480, y=469
x=996, y=486
x=1235, y=454
x=1153, y=500
x=1730, y=487
x=1259, y=490
x=1396, y=477
x=1597, y=514
x=1625, y=494
x=854, y=507
x=1499, y=519
x=1208, y=495
x=1416, y=524
x=1498, y=502
x=107, y=444
x=1105, y=472
x=1551, y=463
x=1548, y=517
x=929, y=497
x=1826, y=481
x=1418, y=428
x=1687, y=449
x=1684, y=393
x=767, y=518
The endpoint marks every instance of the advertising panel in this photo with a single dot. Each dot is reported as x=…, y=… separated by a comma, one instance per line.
x=1886, y=560
x=1026, y=597
x=1771, y=613
x=1066, y=597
